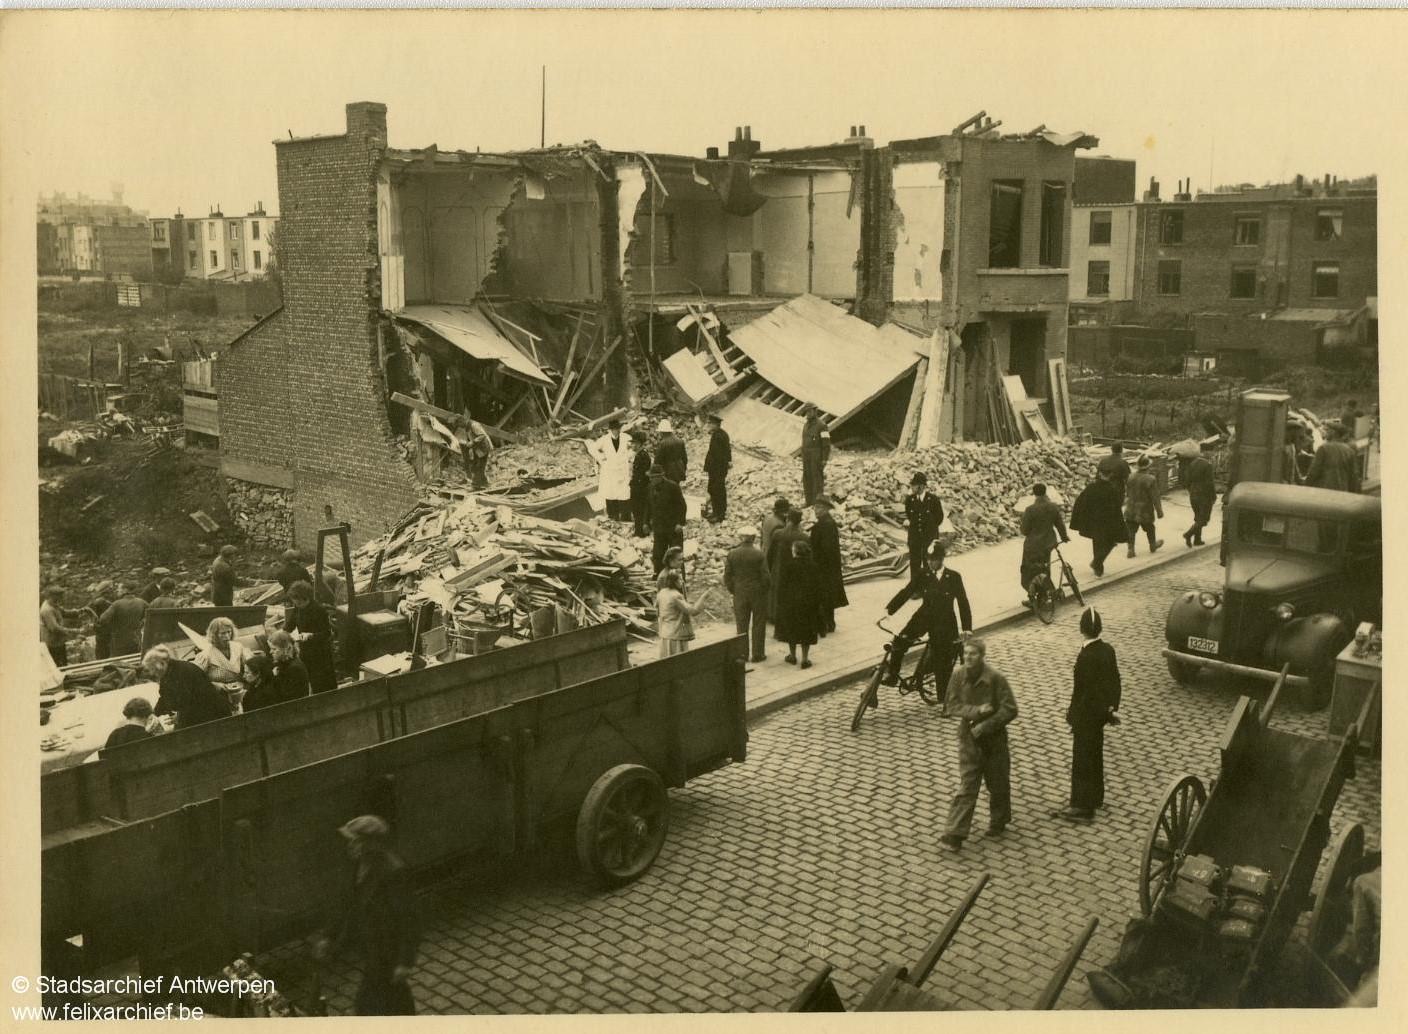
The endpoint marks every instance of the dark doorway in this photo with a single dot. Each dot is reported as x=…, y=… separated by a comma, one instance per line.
x=1026, y=354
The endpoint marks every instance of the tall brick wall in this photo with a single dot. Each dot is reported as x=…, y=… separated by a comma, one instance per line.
x=343, y=454
x=1356, y=252
x=257, y=418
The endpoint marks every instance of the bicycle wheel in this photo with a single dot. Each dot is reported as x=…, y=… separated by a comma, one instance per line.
x=1071, y=580
x=924, y=680
x=1043, y=595
x=869, y=697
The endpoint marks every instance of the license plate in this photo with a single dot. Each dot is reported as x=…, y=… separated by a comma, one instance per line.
x=1197, y=642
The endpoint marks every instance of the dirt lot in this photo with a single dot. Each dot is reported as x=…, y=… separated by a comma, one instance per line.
x=65, y=337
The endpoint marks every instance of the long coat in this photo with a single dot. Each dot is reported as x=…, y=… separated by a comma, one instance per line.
x=1202, y=489
x=1095, y=693
x=720, y=455
x=799, y=596
x=1042, y=528
x=613, y=466
x=381, y=919
x=779, y=552
x=826, y=550
x=1096, y=513
x=316, y=653
x=1336, y=466
x=670, y=454
x=668, y=509
x=771, y=525
x=185, y=690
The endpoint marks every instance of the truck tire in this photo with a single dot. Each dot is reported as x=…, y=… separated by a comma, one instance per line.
x=622, y=824
x=1183, y=673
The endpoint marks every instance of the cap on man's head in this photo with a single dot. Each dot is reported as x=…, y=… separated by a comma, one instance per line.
x=714, y=418
x=1038, y=490
x=1117, y=447
x=290, y=554
x=747, y=532
x=228, y=550
x=664, y=425
x=780, y=506
x=1144, y=461
x=920, y=478
x=364, y=826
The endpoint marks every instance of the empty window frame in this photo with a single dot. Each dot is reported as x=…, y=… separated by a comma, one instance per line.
x=1325, y=280
x=1329, y=224
x=1246, y=229
x=258, y=260
x=1005, y=225
x=194, y=260
x=234, y=259
x=1171, y=227
x=1171, y=276
x=254, y=229
x=214, y=260
x=1053, y=224
x=234, y=231
x=1243, y=282
x=191, y=231
x=1100, y=227
x=1097, y=279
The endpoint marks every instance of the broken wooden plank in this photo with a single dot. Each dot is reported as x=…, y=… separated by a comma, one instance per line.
x=595, y=371
x=203, y=519
x=910, y=427
x=445, y=414
x=933, y=389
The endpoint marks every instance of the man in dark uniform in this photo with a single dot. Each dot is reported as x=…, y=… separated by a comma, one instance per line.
x=640, y=483
x=826, y=554
x=940, y=588
x=923, y=513
x=746, y=579
x=668, y=511
x=670, y=453
x=1094, y=700
x=1041, y=527
x=981, y=698
x=380, y=918
x=816, y=450
x=716, y=463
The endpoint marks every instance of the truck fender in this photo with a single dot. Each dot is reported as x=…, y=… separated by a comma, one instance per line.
x=1187, y=616
x=1309, y=644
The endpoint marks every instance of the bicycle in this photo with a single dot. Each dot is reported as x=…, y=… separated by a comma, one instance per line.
x=1043, y=594
x=921, y=680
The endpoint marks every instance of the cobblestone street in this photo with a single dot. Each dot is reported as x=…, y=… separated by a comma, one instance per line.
x=823, y=848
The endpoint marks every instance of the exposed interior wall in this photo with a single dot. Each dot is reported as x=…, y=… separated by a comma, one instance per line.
x=919, y=231
x=447, y=226
x=553, y=238
x=694, y=219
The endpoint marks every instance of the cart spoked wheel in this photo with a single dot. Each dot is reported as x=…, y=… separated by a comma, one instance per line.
x=1044, y=599
x=1331, y=913
x=869, y=698
x=1183, y=799
x=622, y=824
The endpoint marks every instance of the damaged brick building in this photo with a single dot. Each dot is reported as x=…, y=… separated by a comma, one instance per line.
x=557, y=284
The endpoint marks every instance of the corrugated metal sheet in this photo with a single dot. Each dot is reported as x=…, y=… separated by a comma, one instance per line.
x=469, y=330
x=815, y=352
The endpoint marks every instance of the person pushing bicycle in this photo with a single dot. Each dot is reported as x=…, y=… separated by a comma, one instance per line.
x=1041, y=524
x=939, y=588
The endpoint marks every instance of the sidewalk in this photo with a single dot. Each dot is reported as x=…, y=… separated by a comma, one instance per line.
x=990, y=577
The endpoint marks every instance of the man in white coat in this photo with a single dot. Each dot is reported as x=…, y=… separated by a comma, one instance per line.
x=612, y=452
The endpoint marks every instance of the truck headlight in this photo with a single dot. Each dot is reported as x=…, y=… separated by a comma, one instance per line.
x=1285, y=611
x=1209, y=600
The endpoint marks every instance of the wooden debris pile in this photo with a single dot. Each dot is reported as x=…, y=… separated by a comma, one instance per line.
x=484, y=566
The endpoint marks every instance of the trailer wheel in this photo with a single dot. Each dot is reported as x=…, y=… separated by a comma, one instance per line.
x=1167, y=838
x=1182, y=672
x=622, y=824
x=1330, y=915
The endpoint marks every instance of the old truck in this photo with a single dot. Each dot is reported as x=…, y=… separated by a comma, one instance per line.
x=1304, y=567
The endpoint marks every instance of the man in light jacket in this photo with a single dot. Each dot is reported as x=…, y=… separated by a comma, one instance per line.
x=612, y=452
x=981, y=698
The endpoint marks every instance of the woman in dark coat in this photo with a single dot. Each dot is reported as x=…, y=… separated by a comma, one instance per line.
x=798, y=602
x=1095, y=698
x=315, y=645
x=1099, y=516
x=826, y=550
x=779, y=554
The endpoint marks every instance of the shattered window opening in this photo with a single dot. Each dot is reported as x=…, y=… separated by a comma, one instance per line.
x=1246, y=229
x=1171, y=276
x=1326, y=280
x=664, y=238
x=1243, y=282
x=214, y=258
x=1171, y=227
x=1053, y=223
x=1329, y=224
x=1100, y=227
x=1098, y=279
x=1005, y=225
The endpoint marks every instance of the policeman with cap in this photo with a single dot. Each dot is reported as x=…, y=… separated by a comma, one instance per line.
x=1095, y=698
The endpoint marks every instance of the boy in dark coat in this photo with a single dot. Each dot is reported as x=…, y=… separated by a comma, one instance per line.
x=668, y=512
x=716, y=463
x=1095, y=698
x=640, y=484
x=826, y=553
x=1097, y=516
x=798, y=602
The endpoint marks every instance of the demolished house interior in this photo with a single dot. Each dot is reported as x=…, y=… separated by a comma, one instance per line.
x=551, y=287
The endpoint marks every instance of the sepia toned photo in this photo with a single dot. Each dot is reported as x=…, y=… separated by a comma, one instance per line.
x=705, y=512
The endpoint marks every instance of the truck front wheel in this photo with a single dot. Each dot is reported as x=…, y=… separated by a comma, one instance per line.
x=1182, y=672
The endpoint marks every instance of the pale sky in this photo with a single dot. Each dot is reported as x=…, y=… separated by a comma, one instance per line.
x=182, y=107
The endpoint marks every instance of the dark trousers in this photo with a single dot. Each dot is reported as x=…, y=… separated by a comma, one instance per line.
x=618, y=509
x=58, y=651
x=477, y=469
x=640, y=512
x=718, y=497
x=828, y=618
x=1100, y=549
x=980, y=762
x=942, y=655
x=1033, y=566
x=813, y=476
x=380, y=996
x=1134, y=527
x=663, y=542
x=1087, y=767
x=918, y=549
x=102, y=645
x=750, y=618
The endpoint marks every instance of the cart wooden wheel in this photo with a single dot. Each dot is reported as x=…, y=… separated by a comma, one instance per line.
x=1167, y=838
x=622, y=824
x=1331, y=913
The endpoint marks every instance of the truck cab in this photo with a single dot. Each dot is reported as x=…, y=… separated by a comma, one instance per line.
x=1304, y=567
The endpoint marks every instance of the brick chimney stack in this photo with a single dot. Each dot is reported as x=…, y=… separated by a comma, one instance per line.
x=367, y=120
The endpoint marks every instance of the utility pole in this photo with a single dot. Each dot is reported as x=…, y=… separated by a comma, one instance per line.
x=543, y=122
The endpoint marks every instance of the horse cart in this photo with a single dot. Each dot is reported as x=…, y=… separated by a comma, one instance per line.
x=1227, y=872
x=900, y=988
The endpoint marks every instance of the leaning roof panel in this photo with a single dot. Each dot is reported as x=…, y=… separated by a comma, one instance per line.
x=469, y=330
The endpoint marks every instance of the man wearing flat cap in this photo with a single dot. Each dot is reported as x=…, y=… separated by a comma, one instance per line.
x=153, y=587
x=746, y=578
x=380, y=918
